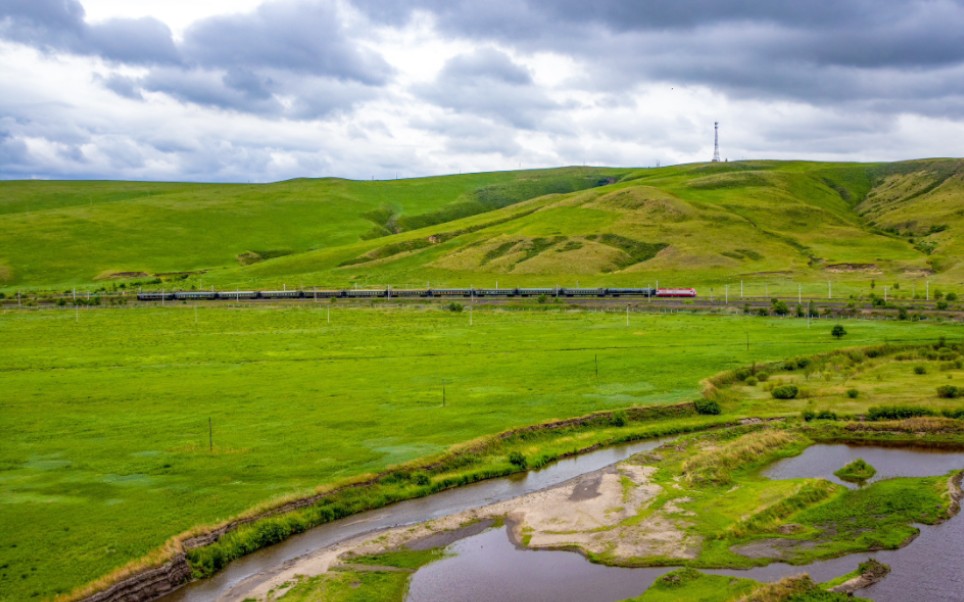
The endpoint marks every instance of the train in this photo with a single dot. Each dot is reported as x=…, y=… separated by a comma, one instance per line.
x=389, y=293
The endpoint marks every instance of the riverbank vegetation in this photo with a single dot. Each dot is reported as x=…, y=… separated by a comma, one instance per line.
x=857, y=471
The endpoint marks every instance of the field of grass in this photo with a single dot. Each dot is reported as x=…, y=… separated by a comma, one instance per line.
x=852, y=383
x=107, y=449
x=773, y=225
x=385, y=578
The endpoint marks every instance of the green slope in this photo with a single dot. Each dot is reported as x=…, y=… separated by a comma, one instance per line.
x=702, y=225
x=68, y=233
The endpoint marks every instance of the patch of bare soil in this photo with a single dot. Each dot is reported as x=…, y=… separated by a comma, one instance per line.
x=773, y=549
x=849, y=268
x=589, y=513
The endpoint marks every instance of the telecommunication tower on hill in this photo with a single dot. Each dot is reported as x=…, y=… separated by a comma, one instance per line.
x=716, y=142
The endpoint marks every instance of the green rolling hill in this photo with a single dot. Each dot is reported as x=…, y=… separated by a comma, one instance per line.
x=699, y=224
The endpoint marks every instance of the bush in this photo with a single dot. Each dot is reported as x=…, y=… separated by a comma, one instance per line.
x=785, y=392
x=826, y=415
x=942, y=305
x=516, y=458
x=619, y=419
x=751, y=381
x=853, y=393
x=897, y=412
x=803, y=362
x=707, y=407
x=762, y=376
x=920, y=370
x=948, y=392
x=951, y=297
x=454, y=307
x=808, y=415
x=838, y=331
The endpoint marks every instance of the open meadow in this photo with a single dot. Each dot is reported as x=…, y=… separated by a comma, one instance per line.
x=124, y=427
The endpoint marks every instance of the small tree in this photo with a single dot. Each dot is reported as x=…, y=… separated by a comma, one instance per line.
x=838, y=331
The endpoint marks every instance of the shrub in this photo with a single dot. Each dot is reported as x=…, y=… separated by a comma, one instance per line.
x=951, y=297
x=958, y=413
x=454, y=307
x=707, y=407
x=751, y=381
x=838, y=331
x=516, y=458
x=742, y=373
x=808, y=415
x=920, y=370
x=826, y=415
x=902, y=313
x=762, y=376
x=785, y=392
x=948, y=392
x=619, y=419
x=942, y=305
x=853, y=393
x=897, y=412
x=803, y=362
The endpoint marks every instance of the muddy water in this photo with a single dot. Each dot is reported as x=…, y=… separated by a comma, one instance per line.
x=247, y=572
x=489, y=567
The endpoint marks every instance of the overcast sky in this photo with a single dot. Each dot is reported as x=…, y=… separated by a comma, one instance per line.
x=254, y=90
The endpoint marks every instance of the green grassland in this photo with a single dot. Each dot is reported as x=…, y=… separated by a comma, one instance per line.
x=105, y=412
x=852, y=383
x=773, y=224
x=73, y=233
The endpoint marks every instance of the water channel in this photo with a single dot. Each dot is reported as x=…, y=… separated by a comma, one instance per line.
x=487, y=566
x=245, y=573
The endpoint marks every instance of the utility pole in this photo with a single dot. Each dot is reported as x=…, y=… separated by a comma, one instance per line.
x=627, y=316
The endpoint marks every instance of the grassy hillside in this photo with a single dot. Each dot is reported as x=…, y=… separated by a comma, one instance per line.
x=76, y=233
x=705, y=225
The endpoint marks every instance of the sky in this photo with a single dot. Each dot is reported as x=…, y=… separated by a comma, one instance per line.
x=267, y=90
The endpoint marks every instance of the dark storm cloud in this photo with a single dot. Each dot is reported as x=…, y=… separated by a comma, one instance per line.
x=487, y=82
x=59, y=25
x=812, y=51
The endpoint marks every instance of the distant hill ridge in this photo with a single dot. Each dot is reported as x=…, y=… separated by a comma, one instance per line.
x=706, y=224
